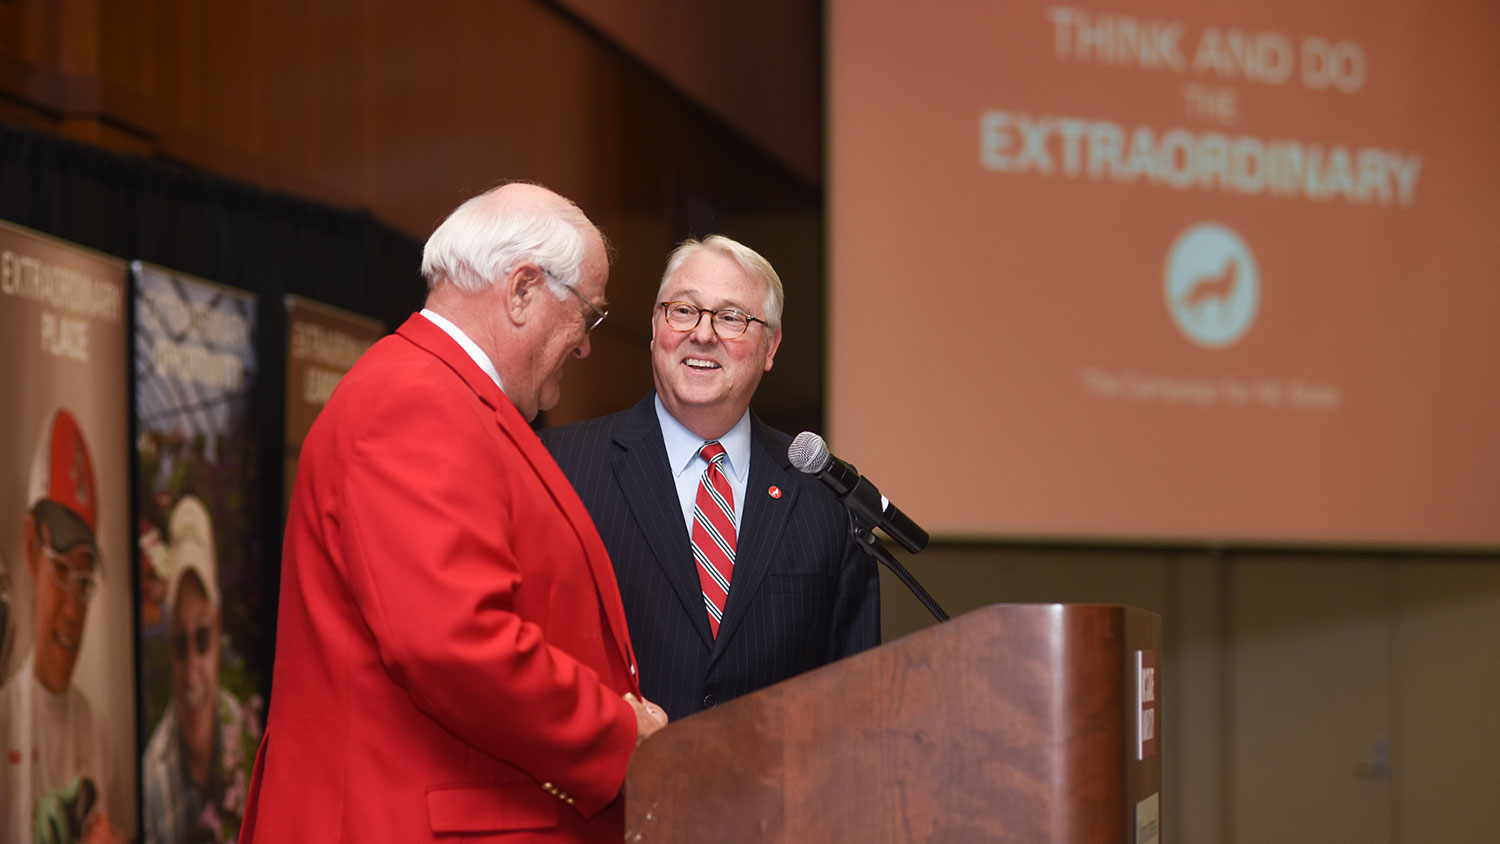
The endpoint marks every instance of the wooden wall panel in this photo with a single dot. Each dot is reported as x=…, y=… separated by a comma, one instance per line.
x=705, y=50
x=407, y=110
x=1445, y=735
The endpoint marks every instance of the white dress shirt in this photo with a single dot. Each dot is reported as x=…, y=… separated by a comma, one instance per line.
x=468, y=345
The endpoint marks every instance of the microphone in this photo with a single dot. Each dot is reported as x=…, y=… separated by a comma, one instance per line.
x=809, y=453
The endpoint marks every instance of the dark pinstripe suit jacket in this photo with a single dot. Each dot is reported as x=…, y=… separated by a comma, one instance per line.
x=803, y=593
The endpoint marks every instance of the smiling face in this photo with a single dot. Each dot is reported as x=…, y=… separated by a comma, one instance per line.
x=705, y=381
x=61, y=609
x=576, y=317
x=561, y=332
x=488, y=269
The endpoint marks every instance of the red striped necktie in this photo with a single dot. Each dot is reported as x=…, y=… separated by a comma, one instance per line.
x=714, y=534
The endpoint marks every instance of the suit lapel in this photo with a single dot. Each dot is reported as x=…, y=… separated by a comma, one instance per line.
x=577, y=515
x=428, y=336
x=645, y=480
x=762, y=524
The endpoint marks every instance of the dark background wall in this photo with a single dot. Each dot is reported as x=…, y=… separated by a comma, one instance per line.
x=401, y=111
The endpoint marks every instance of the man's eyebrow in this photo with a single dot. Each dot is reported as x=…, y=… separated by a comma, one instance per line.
x=729, y=304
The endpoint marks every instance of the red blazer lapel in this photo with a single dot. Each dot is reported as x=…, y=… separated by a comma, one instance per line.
x=583, y=525
x=426, y=335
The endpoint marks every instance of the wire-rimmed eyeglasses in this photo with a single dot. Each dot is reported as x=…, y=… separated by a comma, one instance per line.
x=599, y=313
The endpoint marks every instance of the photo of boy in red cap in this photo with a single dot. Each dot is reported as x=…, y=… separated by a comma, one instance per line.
x=55, y=770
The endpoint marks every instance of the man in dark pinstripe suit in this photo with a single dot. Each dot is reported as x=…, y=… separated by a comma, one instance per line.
x=801, y=594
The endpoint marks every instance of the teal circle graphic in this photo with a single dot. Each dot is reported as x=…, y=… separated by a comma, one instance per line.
x=1212, y=285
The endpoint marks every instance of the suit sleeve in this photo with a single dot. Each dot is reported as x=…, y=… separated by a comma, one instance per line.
x=429, y=542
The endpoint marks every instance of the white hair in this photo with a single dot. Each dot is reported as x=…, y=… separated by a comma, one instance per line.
x=752, y=262
x=487, y=236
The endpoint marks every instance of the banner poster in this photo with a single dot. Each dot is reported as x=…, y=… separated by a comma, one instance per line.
x=323, y=342
x=199, y=555
x=67, y=698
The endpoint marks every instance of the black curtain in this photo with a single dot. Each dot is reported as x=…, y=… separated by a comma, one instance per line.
x=267, y=243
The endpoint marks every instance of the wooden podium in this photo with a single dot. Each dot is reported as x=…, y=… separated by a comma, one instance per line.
x=1017, y=722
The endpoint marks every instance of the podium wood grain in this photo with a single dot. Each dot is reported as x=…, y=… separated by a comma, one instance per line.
x=1010, y=723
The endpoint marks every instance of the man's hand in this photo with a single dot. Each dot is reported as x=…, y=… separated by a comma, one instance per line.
x=648, y=717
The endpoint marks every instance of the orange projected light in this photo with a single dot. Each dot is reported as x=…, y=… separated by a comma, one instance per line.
x=1169, y=272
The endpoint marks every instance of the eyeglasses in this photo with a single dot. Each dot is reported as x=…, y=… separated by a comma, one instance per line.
x=200, y=639
x=78, y=579
x=599, y=313
x=727, y=323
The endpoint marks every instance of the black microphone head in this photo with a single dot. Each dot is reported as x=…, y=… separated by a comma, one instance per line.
x=808, y=453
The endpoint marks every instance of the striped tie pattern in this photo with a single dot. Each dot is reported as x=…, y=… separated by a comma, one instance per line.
x=714, y=534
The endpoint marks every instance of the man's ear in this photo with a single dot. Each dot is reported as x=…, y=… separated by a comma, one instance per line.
x=521, y=288
x=772, y=344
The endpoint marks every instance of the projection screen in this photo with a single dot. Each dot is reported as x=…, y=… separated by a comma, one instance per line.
x=1167, y=271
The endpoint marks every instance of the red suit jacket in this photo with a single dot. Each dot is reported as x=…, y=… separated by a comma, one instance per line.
x=451, y=647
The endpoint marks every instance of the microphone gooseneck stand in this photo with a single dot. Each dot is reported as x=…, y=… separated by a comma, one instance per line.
x=871, y=545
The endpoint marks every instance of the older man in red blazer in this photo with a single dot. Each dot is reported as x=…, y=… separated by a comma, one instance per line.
x=452, y=659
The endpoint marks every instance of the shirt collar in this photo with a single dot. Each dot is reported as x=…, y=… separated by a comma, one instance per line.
x=468, y=345
x=683, y=445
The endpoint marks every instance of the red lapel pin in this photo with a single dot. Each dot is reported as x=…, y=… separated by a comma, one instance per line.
x=775, y=491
